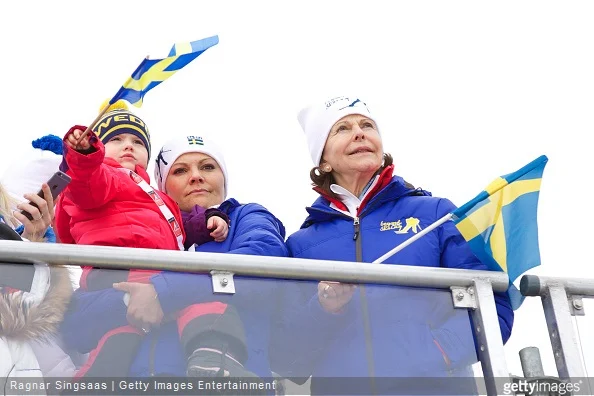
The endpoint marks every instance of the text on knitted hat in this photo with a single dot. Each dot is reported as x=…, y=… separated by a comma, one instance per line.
x=122, y=121
x=342, y=102
x=106, y=125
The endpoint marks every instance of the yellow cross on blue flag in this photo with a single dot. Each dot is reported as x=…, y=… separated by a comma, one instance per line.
x=500, y=224
x=152, y=72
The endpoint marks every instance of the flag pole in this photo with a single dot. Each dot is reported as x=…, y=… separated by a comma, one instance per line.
x=414, y=238
x=111, y=101
x=92, y=124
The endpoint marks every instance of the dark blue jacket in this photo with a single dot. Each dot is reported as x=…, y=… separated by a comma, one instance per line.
x=253, y=231
x=384, y=331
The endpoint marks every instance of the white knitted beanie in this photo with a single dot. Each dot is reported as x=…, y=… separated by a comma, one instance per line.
x=317, y=119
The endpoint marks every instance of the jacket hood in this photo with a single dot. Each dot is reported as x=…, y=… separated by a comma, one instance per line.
x=228, y=205
x=20, y=321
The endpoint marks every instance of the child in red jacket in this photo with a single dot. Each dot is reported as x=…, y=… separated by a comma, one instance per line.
x=110, y=203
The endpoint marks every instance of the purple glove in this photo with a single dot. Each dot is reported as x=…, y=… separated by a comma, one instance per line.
x=195, y=225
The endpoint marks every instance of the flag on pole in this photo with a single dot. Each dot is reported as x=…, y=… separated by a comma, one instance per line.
x=152, y=72
x=500, y=224
x=193, y=47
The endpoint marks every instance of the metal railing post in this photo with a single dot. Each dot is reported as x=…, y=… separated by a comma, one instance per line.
x=555, y=302
x=488, y=335
x=563, y=339
x=531, y=362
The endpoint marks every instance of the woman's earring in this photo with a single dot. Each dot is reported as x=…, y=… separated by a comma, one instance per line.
x=327, y=168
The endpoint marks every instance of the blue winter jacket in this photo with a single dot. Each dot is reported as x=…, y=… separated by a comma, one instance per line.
x=50, y=235
x=253, y=230
x=384, y=331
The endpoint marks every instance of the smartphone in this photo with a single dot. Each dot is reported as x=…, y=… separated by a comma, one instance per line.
x=57, y=183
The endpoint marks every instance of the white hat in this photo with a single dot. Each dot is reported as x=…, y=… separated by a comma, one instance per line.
x=34, y=167
x=316, y=120
x=183, y=144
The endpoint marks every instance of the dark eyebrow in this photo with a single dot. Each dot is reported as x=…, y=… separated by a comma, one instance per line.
x=199, y=162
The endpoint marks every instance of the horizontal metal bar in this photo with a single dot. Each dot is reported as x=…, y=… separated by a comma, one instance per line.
x=533, y=285
x=261, y=266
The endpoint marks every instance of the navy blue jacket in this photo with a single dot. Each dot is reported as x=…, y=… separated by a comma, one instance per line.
x=384, y=331
x=253, y=230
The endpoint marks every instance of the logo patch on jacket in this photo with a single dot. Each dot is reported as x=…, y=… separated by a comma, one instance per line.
x=402, y=226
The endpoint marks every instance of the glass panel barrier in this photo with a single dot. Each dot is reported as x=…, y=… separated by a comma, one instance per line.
x=126, y=332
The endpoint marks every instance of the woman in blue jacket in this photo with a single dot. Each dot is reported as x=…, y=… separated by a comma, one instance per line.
x=363, y=212
x=192, y=171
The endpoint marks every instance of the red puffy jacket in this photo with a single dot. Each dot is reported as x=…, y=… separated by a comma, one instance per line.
x=104, y=206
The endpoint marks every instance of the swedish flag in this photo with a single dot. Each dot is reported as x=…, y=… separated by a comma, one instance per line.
x=194, y=46
x=152, y=72
x=500, y=224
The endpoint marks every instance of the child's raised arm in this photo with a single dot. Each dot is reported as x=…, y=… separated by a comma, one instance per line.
x=93, y=183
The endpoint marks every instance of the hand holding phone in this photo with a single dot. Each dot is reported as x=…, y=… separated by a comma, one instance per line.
x=57, y=183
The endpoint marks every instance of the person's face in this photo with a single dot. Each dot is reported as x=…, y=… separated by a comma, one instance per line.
x=353, y=146
x=195, y=179
x=128, y=150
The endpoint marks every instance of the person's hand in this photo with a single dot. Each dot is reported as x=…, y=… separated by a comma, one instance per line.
x=73, y=143
x=144, y=309
x=335, y=295
x=219, y=226
x=43, y=214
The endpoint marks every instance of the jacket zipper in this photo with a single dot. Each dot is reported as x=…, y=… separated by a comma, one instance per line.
x=365, y=309
x=362, y=291
x=152, y=351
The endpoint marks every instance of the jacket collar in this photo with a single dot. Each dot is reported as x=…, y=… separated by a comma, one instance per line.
x=382, y=181
x=228, y=205
x=386, y=187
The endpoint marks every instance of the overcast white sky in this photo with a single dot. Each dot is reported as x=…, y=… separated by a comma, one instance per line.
x=464, y=91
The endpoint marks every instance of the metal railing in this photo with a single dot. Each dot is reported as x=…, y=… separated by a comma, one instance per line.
x=562, y=299
x=470, y=289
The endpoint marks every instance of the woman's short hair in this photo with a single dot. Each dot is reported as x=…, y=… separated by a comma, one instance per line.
x=323, y=180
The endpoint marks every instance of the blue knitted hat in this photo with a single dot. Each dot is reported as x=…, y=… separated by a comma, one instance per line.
x=49, y=142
